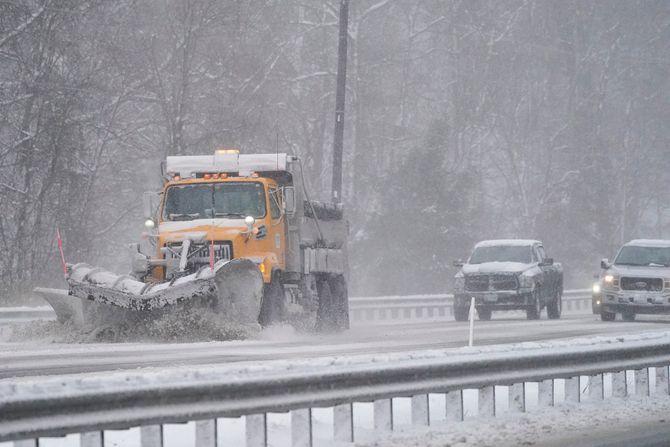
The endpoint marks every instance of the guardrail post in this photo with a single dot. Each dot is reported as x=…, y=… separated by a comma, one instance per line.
x=596, y=389
x=619, y=386
x=343, y=421
x=301, y=428
x=642, y=382
x=26, y=443
x=572, y=390
x=151, y=436
x=420, y=410
x=92, y=439
x=545, y=393
x=383, y=415
x=454, y=403
x=257, y=430
x=662, y=380
x=205, y=433
x=517, y=398
x=487, y=401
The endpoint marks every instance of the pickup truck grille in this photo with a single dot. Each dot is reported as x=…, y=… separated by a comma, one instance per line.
x=477, y=283
x=482, y=283
x=503, y=282
x=643, y=284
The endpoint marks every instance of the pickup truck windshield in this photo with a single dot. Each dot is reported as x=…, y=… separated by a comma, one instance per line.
x=501, y=253
x=646, y=256
x=209, y=200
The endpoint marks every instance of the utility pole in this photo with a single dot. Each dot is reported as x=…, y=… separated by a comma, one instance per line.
x=339, y=101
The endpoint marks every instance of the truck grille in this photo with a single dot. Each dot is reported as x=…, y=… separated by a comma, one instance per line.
x=477, y=283
x=503, y=282
x=200, y=253
x=482, y=283
x=646, y=284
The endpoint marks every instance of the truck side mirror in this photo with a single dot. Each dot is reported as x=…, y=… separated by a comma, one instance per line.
x=605, y=263
x=289, y=200
x=150, y=202
x=458, y=263
x=547, y=261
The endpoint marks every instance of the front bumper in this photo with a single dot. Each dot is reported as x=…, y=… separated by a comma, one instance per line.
x=639, y=302
x=496, y=300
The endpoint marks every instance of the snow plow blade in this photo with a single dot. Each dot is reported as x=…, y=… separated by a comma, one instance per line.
x=233, y=289
x=67, y=308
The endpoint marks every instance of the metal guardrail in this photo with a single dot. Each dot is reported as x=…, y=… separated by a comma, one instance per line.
x=361, y=308
x=72, y=405
x=438, y=306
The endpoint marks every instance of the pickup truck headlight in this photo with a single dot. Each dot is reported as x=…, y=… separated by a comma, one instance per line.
x=611, y=280
x=526, y=282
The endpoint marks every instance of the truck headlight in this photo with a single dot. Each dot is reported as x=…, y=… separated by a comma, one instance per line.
x=611, y=280
x=526, y=281
x=596, y=288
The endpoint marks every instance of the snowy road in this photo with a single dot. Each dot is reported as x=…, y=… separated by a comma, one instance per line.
x=40, y=358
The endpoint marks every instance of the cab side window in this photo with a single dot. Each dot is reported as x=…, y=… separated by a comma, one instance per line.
x=540, y=253
x=275, y=211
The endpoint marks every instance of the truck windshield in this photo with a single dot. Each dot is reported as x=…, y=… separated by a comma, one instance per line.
x=501, y=253
x=647, y=256
x=208, y=200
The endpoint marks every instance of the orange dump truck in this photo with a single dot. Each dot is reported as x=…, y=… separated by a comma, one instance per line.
x=231, y=233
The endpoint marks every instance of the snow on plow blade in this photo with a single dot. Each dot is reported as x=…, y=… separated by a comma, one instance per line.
x=233, y=289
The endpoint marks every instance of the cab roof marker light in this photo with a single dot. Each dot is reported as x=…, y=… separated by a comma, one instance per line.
x=224, y=151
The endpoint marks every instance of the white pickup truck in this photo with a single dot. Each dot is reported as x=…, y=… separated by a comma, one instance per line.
x=637, y=282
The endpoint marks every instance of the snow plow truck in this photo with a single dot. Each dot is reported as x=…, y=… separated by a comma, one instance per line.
x=233, y=234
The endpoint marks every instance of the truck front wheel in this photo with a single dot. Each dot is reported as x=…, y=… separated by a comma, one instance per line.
x=461, y=313
x=555, y=308
x=484, y=313
x=607, y=316
x=533, y=312
x=272, y=308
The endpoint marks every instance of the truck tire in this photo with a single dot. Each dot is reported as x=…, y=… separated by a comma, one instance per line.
x=555, y=308
x=628, y=316
x=461, y=313
x=607, y=316
x=332, y=314
x=484, y=314
x=534, y=311
x=340, y=296
x=272, y=307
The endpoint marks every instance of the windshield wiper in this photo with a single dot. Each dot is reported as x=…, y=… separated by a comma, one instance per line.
x=181, y=216
x=238, y=215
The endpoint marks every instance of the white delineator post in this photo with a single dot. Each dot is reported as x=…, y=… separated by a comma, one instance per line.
x=472, y=320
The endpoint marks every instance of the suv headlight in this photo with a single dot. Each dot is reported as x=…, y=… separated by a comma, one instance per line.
x=526, y=281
